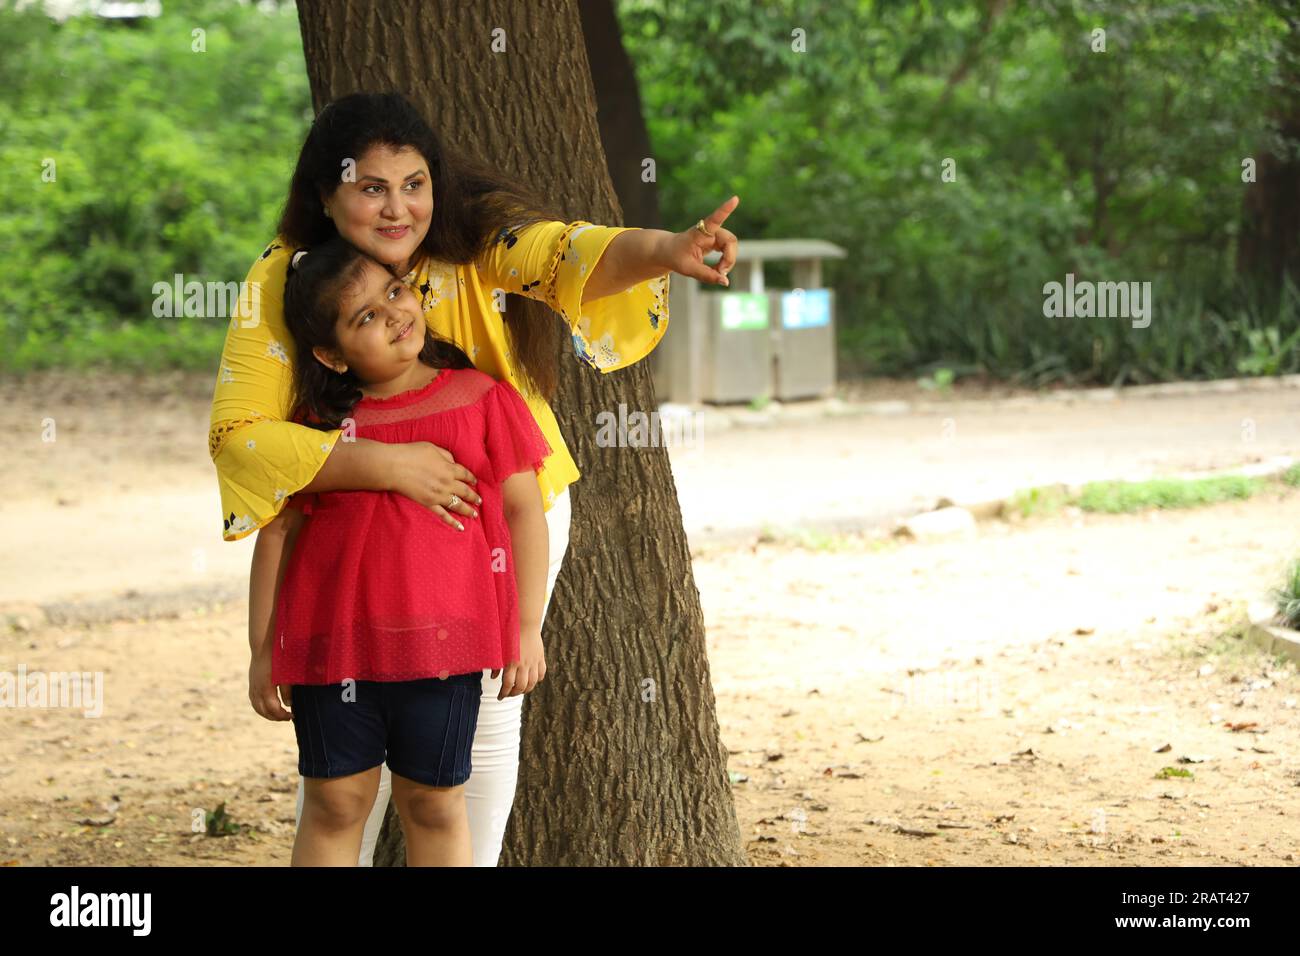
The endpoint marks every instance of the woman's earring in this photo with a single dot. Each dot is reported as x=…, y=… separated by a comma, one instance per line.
x=327, y=213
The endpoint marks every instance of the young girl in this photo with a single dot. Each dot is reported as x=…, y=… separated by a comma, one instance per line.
x=385, y=614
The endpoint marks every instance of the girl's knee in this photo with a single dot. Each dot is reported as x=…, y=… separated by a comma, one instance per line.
x=339, y=807
x=431, y=808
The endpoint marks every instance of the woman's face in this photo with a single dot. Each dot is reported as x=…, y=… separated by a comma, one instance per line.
x=385, y=213
x=380, y=327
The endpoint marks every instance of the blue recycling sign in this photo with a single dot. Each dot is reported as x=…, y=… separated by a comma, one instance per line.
x=806, y=308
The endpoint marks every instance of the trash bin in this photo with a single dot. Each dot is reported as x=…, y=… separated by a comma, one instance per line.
x=803, y=343
x=746, y=341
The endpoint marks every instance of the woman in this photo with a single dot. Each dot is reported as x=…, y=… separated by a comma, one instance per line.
x=462, y=237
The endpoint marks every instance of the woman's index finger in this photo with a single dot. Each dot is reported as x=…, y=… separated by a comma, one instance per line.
x=720, y=214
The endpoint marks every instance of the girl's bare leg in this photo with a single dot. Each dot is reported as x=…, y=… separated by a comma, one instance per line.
x=333, y=815
x=490, y=790
x=434, y=822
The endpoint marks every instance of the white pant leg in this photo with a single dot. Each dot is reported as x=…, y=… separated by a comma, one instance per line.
x=490, y=790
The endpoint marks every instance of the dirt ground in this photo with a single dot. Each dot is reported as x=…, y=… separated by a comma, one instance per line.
x=123, y=433
x=1011, y=700
x=1004, y=700
x=1007, y=699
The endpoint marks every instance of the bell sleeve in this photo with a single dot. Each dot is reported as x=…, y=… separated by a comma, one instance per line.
x=304, y=501
x=260, y=455
x=514, y=442
x=550, y=261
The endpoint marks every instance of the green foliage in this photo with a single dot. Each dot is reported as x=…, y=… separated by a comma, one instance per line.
x=1115, y=497
x=1115, y=166
x=941, y=381
x=1124, y=497
x=1287, y=597
x=166, y=161
x=218, y=823
x=1266, y=353
x=1039, y=502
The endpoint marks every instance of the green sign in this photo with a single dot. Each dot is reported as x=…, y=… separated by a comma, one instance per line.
x=744, y=310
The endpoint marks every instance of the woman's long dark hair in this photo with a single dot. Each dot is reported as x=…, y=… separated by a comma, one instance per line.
x=312, y=290
x=472, y=204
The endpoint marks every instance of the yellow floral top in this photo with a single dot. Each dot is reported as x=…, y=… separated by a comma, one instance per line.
x=261, y=458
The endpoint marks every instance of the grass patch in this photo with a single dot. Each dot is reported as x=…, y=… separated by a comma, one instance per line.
x=1288, y=597
x=1128, y=497
x=1124, y=497
x=1042, y=501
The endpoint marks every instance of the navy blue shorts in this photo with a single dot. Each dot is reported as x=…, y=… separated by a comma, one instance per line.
x=424, y=728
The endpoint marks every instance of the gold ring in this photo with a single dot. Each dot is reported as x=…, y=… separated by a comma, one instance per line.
x=700, y=226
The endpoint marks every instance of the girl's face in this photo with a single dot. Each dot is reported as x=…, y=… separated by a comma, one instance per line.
x=380, y=328
x=385, y=213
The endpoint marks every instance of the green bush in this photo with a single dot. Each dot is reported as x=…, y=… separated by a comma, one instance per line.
x=1115, y=166
x=166, y=160
x=1119, y=166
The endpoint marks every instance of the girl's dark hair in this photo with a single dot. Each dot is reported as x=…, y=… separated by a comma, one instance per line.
x=472, y=204
x=312, y=290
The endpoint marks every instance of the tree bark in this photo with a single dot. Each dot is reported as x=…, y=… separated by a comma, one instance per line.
x=1269, y=249
x=621, y=758
x=619, y=115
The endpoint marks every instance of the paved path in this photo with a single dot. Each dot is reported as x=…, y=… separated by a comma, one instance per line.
x=868, y=470
x=846, y=471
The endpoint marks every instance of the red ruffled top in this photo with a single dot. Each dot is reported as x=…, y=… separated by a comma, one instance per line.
x=379, y=587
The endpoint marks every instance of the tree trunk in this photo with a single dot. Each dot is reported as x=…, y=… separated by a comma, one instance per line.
x=1269, y=248
x=618, y=114
x=621, y=760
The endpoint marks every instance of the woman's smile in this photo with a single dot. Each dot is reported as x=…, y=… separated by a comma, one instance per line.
x=393, y=232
